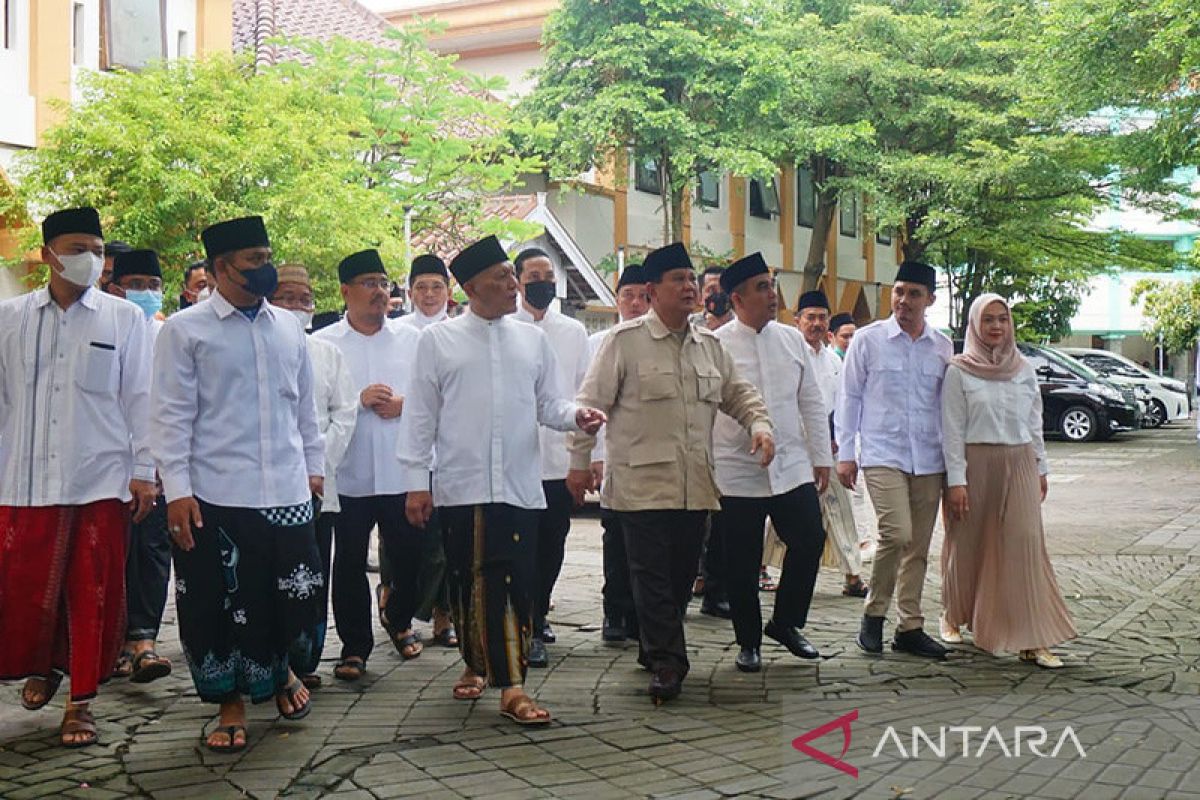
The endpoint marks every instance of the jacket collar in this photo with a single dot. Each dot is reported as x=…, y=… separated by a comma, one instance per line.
x=660, y=331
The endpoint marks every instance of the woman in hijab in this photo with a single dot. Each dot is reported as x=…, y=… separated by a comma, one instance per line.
x=996, y=574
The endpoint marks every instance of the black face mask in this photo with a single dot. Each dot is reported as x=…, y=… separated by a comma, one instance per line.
x=395, y=313
x=539, y=294
x=717, y=304
x=184, y=302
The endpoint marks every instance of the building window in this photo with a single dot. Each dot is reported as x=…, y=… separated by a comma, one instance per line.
x=77, y=33
x=183, y=47
x=806, y=198
x=764, y=199
x=645, y=176
x=882, y=237
x=134, y=31
x=848, y=213
x=708, y=189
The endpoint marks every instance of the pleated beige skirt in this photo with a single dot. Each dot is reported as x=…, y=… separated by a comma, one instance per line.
x=996, y=573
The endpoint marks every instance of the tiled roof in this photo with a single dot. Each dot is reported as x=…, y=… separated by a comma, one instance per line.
x=446, y=241
x=255, y=21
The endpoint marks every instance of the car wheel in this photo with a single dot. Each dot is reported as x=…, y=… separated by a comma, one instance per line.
x=1079, y=424
x=1156, y=415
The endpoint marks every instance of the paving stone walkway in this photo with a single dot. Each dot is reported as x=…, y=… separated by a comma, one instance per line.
x=1123, y=523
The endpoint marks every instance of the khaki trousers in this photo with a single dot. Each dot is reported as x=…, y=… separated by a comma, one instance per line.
x=907, y=508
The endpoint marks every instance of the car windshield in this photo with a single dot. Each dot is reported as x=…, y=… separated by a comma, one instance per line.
x=1070, y=364
x=1124, y=366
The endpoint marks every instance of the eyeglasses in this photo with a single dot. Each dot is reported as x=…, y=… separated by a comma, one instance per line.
x=299, y=302
x=374, y=283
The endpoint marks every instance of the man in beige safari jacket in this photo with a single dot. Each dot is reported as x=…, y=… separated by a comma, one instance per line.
x=662, y=380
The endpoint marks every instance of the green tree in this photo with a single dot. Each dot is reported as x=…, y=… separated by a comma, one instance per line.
x=1172, y=311
x=661, y=80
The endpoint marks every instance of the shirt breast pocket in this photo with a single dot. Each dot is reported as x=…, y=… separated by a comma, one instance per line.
x=929, y=383
x=708, y=383
x=656, y=383
x=98, y=370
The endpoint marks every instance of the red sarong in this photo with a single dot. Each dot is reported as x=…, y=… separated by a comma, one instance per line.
x=62, y=591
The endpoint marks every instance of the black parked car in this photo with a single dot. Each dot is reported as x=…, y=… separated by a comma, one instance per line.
x=1076, y=401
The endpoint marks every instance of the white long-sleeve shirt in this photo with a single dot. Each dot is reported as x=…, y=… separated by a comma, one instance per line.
x=828, y=368
x=337, y=411
x=235, y=422
x=478, y=393
x=778, y=362
x=978, y=411
x=891, y=398
x=372, y=464
x=419, y=321
x=569, y=340
x=74, y=399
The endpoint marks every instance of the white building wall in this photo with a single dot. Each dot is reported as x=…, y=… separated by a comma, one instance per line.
x=589, y=218
x=18, y=111
x=513, y=67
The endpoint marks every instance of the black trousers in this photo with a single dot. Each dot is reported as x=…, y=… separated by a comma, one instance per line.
x=663, y=547
x=618, y=596
x=147, y=573
x=713, y=566
x=404, y=545
x=797, y=519
x=554, y=523
x=489, y=568
x=304, y=661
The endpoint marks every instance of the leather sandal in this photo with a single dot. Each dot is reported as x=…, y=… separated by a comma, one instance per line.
x=144, y=672
x=446, y=637
x=124, y=666
x=234, y=745
x=856, y=589
x=517, y=710
x=53, y=681
x=403, y=643
x=350, y=669
x=77, y=721
x=469, y=688
x=290, y=691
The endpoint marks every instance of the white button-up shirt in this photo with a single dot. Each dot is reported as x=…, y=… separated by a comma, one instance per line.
x=235, y=422
x=569, y=340
x=419, y=321
x=337, y=411
x=478, y=393
x=779, y=364
x=891, y=398
x=372, y=463
x=828, y=368
x=74, y=399
x=979, y=411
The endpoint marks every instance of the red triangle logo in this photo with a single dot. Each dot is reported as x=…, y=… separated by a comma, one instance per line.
x=801, y=743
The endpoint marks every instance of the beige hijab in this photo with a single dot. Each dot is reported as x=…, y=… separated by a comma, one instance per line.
x=999, y=363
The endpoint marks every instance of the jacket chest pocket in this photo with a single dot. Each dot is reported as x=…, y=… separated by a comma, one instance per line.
x=98, y=367
x=657, y=383
x=708, y=383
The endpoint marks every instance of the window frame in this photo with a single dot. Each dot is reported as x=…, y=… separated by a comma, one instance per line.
x=756, y=192
x=842, y=208
x=701, y=201
x=801, y=172
x=106, y=35
x=646, y=176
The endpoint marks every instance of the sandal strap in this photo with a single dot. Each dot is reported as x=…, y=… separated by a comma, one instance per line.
x=142, y=656
x=522, y=703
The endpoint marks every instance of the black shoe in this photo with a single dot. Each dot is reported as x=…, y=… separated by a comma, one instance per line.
x=748, y=660
x=716, y=608
x=791, y=638
x=665, y=685
x=612, y=631
x=537, y=654
x=548, y=634
x=870, y=635
x=918, y=643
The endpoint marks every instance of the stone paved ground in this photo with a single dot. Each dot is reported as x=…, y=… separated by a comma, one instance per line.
x=1123, y=523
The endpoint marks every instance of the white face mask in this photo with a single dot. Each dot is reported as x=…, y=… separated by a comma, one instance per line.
x=305, y=317
x=203, y=294
x=81, y=269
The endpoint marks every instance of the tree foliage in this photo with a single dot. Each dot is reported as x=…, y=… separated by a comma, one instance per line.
x=332, y=154
x=1172, y=310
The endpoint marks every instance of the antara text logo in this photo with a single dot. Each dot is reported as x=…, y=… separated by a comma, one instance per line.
x=944, y=742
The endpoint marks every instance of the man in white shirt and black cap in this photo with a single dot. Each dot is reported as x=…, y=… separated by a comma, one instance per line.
x=74, y=462
x=372, y=487
x=891, y=404
x=569, y=341
x=483, y=383
x=429, y=290
x=240, y=455
x=775, y=358
x=620, y=618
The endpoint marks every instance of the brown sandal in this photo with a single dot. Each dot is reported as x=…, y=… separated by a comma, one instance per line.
x=350, y=669
x=149, y=666
x=469, y=688
x=76, y=721
x=124, y=665
x=516, y=711
x=53, y=681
